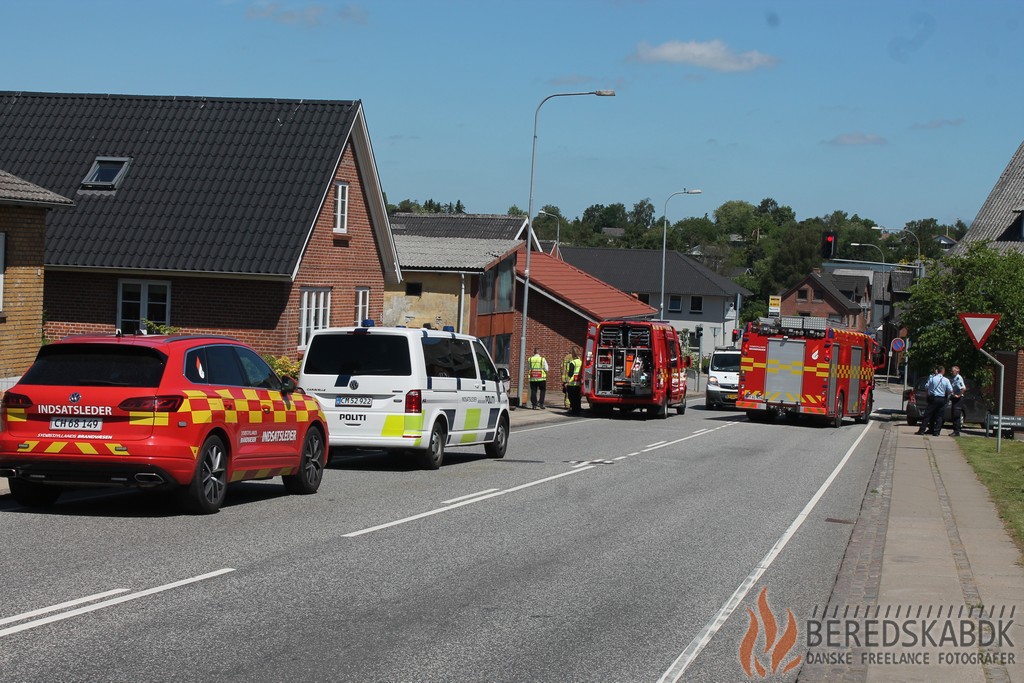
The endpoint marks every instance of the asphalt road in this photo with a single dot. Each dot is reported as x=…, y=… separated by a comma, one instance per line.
x=617, y=549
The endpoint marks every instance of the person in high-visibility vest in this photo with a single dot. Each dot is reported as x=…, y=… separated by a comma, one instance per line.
x=538, y=379
x=566, y=368
x=572, y=386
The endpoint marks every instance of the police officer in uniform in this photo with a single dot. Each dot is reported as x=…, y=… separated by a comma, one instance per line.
x=957, y=411
x=939, y=390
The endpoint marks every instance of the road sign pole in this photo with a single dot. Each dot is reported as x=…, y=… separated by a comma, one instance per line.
x=999, y=417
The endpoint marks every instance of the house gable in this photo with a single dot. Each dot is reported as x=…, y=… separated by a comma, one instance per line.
x=1000, y=221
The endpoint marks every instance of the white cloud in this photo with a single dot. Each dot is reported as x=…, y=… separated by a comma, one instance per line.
x=856, y=140
x=713, y=54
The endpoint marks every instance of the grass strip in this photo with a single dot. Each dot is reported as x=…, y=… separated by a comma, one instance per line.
x=1003, y=475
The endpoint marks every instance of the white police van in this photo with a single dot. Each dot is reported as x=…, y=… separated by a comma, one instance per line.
x=405, y=389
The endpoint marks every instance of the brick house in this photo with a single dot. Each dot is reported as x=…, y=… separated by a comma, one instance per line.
x=842, y=299
x=23, y=211
x=262, y=219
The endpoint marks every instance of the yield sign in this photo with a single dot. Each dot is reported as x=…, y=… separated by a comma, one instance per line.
x=979, y=326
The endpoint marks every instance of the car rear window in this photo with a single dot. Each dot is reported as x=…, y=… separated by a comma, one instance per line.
x=97, y=365
x=358, y=354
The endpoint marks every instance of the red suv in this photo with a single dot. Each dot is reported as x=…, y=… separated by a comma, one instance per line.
x=183, y=412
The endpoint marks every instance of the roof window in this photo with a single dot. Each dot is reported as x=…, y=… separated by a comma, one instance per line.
x=106, y=173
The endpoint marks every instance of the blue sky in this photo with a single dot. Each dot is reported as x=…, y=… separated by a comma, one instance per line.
x=895, y=110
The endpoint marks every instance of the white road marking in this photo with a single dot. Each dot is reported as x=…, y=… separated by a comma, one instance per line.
x=652, y=445
x=703, y=432
x=63, y=605
x=683, y=661
x=582, y=463
x=468, y=495
x=623, y=457
x=111, y=602
x=437, y=511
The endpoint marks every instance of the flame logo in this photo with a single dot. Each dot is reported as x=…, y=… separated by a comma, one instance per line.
x=775, y=650
x=814, y=355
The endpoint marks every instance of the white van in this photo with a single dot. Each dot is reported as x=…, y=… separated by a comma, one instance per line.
x=407, y=389
x=723, y=378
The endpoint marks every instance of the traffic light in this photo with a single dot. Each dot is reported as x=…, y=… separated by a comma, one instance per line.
x=735, y=336
x=828, y=245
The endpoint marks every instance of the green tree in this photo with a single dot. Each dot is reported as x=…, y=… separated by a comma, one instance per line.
x=980, y=281
x=515, y=211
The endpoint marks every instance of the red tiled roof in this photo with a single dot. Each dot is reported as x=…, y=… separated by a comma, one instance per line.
x=594, y=298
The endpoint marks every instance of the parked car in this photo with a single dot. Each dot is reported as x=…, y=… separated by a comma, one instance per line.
x=407, y=390
x=975, y=405
x=185, y=412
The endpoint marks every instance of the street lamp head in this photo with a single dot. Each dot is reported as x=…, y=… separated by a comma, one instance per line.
x=605, y=93
x=857, y=244
x=693, y=191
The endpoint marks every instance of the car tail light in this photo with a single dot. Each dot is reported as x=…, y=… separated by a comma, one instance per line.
x=12, y=400
x=414, y=402
x=151, y=404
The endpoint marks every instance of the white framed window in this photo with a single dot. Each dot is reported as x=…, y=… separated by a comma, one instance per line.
x=139, y=300
x=696, y=304
x=341, y=208
x=675, y=303
x=362, y=304
x=3, y=266
x=314, y=312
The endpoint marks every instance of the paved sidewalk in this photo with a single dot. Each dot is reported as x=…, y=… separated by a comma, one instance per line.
x=928, y=544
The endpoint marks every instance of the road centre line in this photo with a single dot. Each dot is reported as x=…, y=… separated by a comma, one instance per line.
x=652, y=445
x=663, y=444
x=436, y=511
x=108, y=603
x=64, y=605
x=468, y=495
x=701, y=640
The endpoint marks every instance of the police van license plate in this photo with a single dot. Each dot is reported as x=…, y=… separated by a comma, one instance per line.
x=353, y=401
x=76, y=424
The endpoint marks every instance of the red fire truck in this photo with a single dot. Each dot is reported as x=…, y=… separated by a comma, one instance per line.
x=632, y=364
x=797, y=365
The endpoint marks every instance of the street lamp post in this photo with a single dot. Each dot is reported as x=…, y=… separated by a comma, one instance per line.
x=664, y=246
x=558, y=224
x=529, y=235
x=868, y=244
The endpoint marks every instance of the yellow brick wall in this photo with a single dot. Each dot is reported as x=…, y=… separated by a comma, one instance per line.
x=21, y=326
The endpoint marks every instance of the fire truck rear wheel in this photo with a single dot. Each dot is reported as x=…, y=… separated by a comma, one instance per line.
x=837, y=421
x=681, y=408
x=868, y=409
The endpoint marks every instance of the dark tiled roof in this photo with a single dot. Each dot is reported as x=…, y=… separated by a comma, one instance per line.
x=476, y=225
x=14, y=190
x=827, y=283
x=999, y=220
x=595, y=299
x=639, y=270
x=214, y=184
x=900, y=281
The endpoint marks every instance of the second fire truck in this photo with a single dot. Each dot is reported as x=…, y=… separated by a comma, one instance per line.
x=796, y=365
